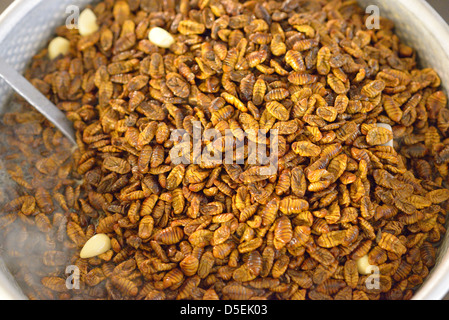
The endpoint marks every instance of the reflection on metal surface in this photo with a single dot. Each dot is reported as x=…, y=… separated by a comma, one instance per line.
x=37, y=100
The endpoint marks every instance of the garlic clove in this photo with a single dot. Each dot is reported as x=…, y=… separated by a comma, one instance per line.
x=363, y=265
x=386, y=126
x=87, y=22
x=160, y=37
x=58, y=46
x=98, y=244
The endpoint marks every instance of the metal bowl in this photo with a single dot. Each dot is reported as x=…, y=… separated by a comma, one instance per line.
x=27, y=25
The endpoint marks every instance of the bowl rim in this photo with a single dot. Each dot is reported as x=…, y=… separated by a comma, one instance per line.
x=9, y=18
x=14, y=13
x=436, y=285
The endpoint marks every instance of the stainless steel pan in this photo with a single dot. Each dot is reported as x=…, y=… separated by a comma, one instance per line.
x=26, y=26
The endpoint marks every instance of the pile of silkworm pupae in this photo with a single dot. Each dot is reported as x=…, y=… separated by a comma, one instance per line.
x=359, y=191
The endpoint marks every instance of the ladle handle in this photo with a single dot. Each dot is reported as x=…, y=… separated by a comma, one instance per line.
x=24, y=88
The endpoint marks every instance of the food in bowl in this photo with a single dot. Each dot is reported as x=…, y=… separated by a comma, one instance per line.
x=182, y=110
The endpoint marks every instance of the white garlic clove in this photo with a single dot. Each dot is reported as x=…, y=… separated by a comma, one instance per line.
x=98, y=244
x=160, y=37
x=87, y=22
x=363, y=266
x=58, y=46
x=386, y=126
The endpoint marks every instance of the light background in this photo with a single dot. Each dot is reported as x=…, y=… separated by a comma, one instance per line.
x=442, y=6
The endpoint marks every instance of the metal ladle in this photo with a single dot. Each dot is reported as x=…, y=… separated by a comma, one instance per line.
x=34, y=97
